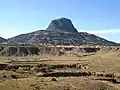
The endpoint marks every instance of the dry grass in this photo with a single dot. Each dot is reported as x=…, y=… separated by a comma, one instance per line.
x=67, y=83
x=105, y=60
x=102, y=61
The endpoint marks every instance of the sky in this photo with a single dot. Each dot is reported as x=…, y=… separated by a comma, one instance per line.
x=99, y=17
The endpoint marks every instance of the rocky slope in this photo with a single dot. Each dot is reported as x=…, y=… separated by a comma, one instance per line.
x=60, y=31
x=2, y=40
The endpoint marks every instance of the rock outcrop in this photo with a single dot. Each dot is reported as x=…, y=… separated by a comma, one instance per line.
x=62, y=25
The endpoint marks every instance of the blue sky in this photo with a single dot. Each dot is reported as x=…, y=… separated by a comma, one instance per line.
x=100, y=17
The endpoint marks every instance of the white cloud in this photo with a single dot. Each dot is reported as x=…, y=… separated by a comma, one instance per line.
x=112, y=31
x=11, y=32
x=110, y=34
x=8, y=33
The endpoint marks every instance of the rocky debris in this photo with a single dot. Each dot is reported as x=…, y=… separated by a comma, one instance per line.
x=44, y=68
x=54, y=79
x=102, y=76
x=11, y=67
x=3, y=66
x=8, y=76
x=40, y=74
x=47, y=70
x=65, y=74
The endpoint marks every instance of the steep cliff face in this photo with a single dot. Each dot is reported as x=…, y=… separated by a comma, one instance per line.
x=62, y=25
x=47, y=50
x=18, y=51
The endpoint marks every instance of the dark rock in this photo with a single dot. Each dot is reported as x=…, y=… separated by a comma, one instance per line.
x=2, y=40
x=3, y=66
x=54, y=79
x=62, y=25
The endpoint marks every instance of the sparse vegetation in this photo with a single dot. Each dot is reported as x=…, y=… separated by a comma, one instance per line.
x=38, y=72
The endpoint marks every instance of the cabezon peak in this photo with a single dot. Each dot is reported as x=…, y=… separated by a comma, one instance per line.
x=62, y=25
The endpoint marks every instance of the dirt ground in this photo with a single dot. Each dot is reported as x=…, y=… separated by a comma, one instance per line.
x=27, y=72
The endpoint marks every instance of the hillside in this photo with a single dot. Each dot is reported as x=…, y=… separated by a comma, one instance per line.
x=2, y=40
x=60, y=31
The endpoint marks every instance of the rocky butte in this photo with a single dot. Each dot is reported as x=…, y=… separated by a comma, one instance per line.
x=60, y=31
x=62, y=25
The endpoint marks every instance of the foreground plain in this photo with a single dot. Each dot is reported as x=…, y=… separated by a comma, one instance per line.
x=26, y=72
